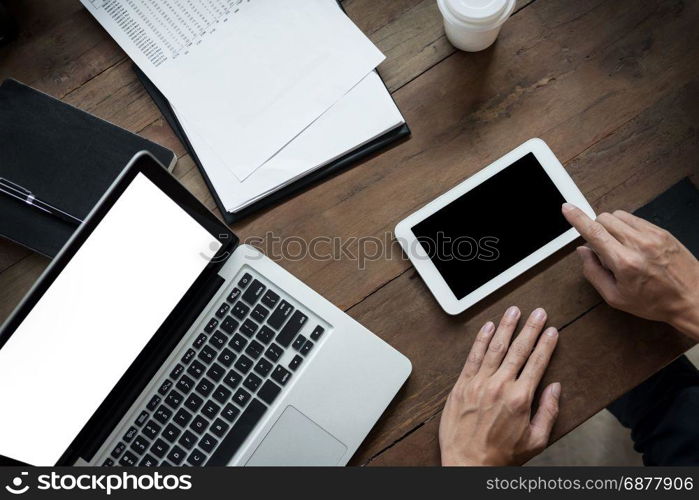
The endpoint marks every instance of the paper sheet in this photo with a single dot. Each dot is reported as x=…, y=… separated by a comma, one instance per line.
x=365, y=113
x=246, y=75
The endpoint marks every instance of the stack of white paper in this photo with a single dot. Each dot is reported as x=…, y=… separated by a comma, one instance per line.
x=266, y=90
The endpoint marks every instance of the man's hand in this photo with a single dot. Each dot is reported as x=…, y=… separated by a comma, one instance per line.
x=639, y=268
x=487, y=418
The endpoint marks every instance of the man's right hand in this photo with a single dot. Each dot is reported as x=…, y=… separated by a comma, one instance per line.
x=639, y=268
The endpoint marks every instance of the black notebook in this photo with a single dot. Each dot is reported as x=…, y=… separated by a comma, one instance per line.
x=64, y=156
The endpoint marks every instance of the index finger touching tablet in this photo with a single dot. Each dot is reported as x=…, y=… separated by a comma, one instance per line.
x=593, y=232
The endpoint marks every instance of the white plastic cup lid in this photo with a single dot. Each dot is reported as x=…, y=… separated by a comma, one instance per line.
x=478, y=11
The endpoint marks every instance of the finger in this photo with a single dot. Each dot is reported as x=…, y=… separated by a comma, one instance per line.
x=598, y=276
x=480, y=346
x=545, y=417
x=540, y=358
x=619, y=229
x=521, y=348
x=501, y=341
x=635, y=222
x=594, y=233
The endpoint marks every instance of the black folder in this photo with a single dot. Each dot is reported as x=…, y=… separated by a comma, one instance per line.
x=295, y=187
x=64, y=156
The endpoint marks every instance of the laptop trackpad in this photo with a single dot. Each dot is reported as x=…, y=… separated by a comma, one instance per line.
x=295, y=439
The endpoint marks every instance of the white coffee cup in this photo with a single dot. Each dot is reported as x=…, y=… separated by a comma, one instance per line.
x=473, y=25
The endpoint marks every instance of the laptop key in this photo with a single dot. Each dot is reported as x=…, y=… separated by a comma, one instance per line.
x=248, y=328
x=208, y=443
x=241, y=397
x=292, y=327
x=171, y=433
x=174, y=399
x=118, y=450
x=229, y=413
x=153, y=403
x=142, y=417
x=215, y=372
x=199, y=424
x=263, y=367
x=194, y=402
x=223, y=310
x=128, y=460
x=182, y=417
x=108, y=463
x=236, y=436
x=222, y=394
x=219, y=427
x=254, y=349
x=140, y=445
x=317, y=332
x=196, y=458
x=151, y=429
x=295, y=363
x=159, y=448
x=188, y=440
x=196, y=369
x=238, y=342
x=210, y=409
x=162, y=414
x=130, y=434
x=307, y=347
x=270, y=299
x=254, y=292
x=218, y=339
x=265, y=335
x=245, y=280
x=274, y=352
x=281, y=375
x=259, y=313
x=240, y=310
x=185, y=384
x=199, y=341
x=211, y=325
x=148, y=461
x=252, y=382
x=229, y=325
x=232, y=379
x=226, y=357
x=188, y=356
x=176, y=455
x=243, y=364
x=207, y=354
x=235, y=293
x=298, y=343
x=269, y=392
x=164, y=387
x=280, y=314
x=176, y=371
x=204, y=387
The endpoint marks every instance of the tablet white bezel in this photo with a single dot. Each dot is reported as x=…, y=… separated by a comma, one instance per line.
x=427, y=270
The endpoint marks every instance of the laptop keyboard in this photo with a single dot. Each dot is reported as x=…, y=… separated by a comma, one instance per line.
x=224, y=383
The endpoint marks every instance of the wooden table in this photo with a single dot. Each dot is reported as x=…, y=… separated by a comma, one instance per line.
x=610, y=86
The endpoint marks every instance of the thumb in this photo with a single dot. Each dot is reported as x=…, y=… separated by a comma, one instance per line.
x=545, y=417
x=598, y=276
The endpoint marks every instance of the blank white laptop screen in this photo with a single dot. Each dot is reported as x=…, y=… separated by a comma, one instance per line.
x=94, y=320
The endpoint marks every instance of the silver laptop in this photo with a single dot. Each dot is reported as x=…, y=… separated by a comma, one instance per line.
x=154, y=338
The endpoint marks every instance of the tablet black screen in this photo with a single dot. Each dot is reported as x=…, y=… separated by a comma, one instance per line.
x=492, y=227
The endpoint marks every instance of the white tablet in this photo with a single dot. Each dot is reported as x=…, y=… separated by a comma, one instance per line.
x=492, y=227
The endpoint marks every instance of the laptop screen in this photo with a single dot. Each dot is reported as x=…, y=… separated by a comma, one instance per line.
x=95, y=318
